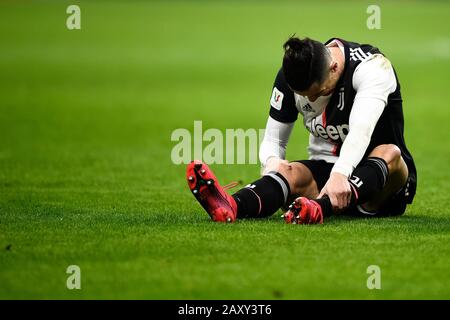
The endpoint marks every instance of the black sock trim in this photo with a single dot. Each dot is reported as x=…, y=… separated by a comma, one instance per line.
x=325, y=204
x=381, y=163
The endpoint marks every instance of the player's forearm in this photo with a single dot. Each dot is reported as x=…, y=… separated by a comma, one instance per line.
x=275, y=140
x=269, y=150
x=362, y=122
x=352, y=151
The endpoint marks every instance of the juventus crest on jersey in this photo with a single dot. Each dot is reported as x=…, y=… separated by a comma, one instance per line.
x=327, y=118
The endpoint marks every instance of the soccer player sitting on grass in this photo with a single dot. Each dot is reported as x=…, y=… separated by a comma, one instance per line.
x=349, y=97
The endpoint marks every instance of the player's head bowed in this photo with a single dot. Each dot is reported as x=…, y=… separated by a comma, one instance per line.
x=308, y=67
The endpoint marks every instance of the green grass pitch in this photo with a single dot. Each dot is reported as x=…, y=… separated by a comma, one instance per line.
x=85, y=171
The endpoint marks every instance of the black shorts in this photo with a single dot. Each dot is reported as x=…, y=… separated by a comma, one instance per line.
x=395, y=206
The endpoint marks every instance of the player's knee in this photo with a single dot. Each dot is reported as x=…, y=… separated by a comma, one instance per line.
x=388, y=152
x=285, y=170
x=297, y=175
x=288, y=172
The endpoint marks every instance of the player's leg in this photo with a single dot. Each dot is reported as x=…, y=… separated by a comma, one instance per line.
x=258, y=199
x=374, y=181
x=265, y=196
x=396, y=178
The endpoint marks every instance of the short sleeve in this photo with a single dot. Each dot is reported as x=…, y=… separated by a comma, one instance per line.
x=282, y=101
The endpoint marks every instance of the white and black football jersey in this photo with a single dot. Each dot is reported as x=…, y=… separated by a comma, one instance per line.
x=327, y=118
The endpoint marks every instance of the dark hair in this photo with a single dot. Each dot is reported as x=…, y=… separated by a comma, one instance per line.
x=304, y=62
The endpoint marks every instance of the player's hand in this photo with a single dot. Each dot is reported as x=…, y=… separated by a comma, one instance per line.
x=338, y=190
x=273, y=164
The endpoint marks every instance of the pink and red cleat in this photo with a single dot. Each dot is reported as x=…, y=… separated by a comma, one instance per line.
x=203, y=184
x=304, y=211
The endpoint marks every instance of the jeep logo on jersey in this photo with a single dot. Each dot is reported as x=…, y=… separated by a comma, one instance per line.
x=328, y=132
x=277, y=98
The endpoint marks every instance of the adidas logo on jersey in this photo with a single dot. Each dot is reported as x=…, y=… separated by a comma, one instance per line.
x=329, y=132
x=307, y=108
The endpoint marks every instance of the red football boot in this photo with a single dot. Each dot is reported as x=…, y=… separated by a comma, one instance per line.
x=304, y=211
x=220, y=206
